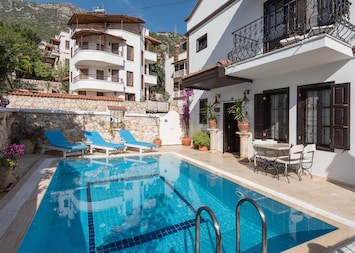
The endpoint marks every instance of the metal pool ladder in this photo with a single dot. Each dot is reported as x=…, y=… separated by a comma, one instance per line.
x=215, y=225
x=218, y=230
x=263, y=221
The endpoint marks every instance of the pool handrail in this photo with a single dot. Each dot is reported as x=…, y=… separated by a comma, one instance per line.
x=263, y=221
x=215, y=225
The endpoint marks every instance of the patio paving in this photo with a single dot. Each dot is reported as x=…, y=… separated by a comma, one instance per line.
x=328, y=201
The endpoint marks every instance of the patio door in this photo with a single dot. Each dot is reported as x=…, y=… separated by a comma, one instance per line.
x=231, y=140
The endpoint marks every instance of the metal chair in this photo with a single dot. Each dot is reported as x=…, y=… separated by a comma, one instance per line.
x=262, y=157
x=307, y=158
x=293, y=161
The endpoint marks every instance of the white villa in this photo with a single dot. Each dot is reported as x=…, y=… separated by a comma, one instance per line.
x=111, y=56
x=292, y=61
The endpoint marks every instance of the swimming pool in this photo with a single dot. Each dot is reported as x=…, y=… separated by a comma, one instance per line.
x=148, y=204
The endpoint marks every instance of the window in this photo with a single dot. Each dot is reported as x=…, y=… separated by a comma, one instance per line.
x=100, y=74
x=203, y=107
x=129, y=78
x=99, y=94
x=272, y=115
x=82, y=92
x=142, y=82
x=115, y=48
x=201, y=43
x=84, y=74
x=283, y=18
x=323, y=115
x=130, y=53
x=100, y=47
x=67, y=44
x=331, y=10
x=130, y=97
x=85, y=45
x=115, y=75
x=142, y=57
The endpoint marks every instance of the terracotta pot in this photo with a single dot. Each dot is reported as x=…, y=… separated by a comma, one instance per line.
x=158, y=142
x=213, y=124
x=202, y=148
x=186, y=141
x=243, y=126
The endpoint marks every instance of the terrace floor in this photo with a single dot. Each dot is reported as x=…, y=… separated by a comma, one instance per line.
x=328, y=201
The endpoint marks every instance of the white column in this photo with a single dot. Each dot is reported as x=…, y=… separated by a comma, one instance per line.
x=244, y=144
x=213, y=139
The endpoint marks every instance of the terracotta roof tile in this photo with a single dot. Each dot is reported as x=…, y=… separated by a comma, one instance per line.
x=62, y=95
x=223, y=63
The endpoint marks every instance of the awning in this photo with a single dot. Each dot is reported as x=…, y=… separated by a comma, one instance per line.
x=210, y=78
x=89, y=32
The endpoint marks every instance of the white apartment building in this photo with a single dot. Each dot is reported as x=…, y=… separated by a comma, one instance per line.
x=175, y=67
x=292, y=61
x=111, y=56
x=57, y=50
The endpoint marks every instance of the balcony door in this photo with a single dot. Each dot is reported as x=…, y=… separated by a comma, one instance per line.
x=282, y=19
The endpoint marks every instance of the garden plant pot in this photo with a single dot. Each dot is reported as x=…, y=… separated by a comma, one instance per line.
x=186, y=141
x=243, y=126
x=213, y=124
x=157, y=142
x=202, y=147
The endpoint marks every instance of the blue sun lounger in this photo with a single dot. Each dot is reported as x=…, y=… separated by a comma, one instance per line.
x=98, y=142
x=130, y=141
x=58, y=142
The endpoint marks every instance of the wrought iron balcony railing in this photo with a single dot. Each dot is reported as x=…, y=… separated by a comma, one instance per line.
x=295, y=21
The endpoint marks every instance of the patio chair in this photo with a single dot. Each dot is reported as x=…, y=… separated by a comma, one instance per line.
x=58, y=142
x=307, y=158
x=293, y=161
x=130, y=141
x=98, y=142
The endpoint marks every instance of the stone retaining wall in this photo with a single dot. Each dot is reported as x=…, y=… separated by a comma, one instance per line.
x=73, y=114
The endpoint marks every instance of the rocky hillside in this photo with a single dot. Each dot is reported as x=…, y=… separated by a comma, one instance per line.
x=46, y=19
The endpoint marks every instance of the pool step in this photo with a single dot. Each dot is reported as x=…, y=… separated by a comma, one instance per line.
x=218, y=231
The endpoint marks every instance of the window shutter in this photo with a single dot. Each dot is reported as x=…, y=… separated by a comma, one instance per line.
x=259, y=113
x=340, y=130
x=301, y=109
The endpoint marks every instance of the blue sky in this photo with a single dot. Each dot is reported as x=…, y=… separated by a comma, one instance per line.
x=159, y=15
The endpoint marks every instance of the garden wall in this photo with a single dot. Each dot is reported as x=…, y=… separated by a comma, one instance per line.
x=30, y=113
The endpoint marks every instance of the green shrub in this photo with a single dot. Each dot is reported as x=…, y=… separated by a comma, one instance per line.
x=201, y=138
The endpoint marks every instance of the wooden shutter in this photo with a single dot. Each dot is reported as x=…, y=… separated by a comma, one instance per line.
x=340, y=116
x=259, y=112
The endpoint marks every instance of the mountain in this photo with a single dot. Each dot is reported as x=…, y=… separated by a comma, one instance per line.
x=46, y=19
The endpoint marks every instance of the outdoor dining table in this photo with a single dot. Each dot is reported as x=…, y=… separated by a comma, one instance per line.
x=267, y=153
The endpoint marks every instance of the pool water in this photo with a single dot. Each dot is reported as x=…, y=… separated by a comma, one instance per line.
x=149, y=204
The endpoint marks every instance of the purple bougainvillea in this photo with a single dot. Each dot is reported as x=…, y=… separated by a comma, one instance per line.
x=185, y=117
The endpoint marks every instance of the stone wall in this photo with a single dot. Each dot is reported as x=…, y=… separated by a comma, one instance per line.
x=73, y=114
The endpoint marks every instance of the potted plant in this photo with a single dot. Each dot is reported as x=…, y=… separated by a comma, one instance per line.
x=238, y=110
x=202, y=139
x=185, y=117
x=157, y=141
x=210, y=114
x=9, y=159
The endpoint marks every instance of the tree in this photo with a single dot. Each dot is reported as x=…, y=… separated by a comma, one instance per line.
x=19, y=53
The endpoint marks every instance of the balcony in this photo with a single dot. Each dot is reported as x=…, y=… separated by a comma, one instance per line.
x=93, y=82
x=150, y=57
x=180, y=73
x=291, y=38
x=150, y=79
x=92, y=56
